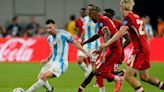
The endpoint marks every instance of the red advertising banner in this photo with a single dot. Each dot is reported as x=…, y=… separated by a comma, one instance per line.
x=24, y=50
x=36, y=49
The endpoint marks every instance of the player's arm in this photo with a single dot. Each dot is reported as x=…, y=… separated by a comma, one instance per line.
x=127, y=40
x=82, y=36
x=79, y=46
x=115, y=37
x=93, y=38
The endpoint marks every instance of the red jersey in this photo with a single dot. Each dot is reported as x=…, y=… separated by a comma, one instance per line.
x=79, y=24
x=117, y=23
x=137, y=33
x=105, y=22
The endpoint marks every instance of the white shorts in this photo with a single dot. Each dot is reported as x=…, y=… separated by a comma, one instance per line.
x=55, y=67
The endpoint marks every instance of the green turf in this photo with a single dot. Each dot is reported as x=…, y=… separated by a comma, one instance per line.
x=23, y=75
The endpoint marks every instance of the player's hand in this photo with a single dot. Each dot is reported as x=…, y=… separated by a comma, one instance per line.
x=80, y=41
x=102, y=46
x=124, y=28
x=97, y=52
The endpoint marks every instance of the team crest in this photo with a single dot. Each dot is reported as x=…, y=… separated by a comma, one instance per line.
x=101, y=24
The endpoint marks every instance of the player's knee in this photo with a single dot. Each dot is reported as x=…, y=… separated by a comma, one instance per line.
x=144, y=78
x=80, y=60
x=43, y=77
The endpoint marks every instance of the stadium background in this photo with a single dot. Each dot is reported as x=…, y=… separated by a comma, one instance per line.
x=17, y=74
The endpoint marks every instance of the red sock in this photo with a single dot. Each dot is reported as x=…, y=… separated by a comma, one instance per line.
x=100, y=81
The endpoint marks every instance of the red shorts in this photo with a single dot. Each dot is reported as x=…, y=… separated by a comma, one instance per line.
x=110, y=59
x=121, y=59
x=139, y=61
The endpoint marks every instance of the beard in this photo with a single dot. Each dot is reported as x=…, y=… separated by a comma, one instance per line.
x=94, y=20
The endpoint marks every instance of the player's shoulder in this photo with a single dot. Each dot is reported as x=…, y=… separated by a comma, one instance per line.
x=86, y=19
x=132, y=16
x=62, y=32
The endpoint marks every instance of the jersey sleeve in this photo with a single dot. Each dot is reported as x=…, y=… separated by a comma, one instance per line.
x=68, y=36
x=109, y=25
x=48, y=39
x=127, y=22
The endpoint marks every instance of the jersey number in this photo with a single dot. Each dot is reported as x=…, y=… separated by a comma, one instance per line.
x=140, y=23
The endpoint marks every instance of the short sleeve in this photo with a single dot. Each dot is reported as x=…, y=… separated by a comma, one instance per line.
x=68, y=36
x=127, y=22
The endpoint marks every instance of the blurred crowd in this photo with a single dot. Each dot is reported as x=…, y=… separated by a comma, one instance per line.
x=15, y=29
x=74, y=26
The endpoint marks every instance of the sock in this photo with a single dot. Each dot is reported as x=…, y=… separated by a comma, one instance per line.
x=36, y=85
x=83, y=66
x=89, y=68
x=102, y=89
x=116, y=78
x=48, y=86
x=161, y=85
x=80, y=89
x=139, y=89
x=86, y=81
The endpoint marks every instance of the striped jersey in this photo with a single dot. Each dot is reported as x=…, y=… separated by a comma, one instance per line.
x=59, y=45
x=90, y=28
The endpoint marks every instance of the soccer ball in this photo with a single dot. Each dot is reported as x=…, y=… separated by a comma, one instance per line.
x=18, y=90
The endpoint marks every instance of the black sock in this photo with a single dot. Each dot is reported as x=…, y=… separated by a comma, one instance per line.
x=87, y=80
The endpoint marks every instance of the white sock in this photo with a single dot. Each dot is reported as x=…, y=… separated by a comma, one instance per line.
x=116, y=78
x=48, y=86
x=36, y=85
x=160, y=84
x=101, y=89
x=89, y=68
x=140, y=89
x=83, y=66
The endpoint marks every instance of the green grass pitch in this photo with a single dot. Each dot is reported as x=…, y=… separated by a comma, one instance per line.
x=23, y=75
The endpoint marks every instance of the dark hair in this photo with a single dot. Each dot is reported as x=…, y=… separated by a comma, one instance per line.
x=90, y=5
x=14, y=18
x=83, y=9
x=50, y=21
x=95, y=8
x=110, y=11
x=72, y=17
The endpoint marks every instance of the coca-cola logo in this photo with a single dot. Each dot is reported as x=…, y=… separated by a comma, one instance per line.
x=16, y=49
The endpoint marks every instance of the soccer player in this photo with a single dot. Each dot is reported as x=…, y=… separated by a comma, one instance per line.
x=110, y=14
x=57, y=63
x=89, y=29
x=110, y=55
x=79, y=21
x=139, y=59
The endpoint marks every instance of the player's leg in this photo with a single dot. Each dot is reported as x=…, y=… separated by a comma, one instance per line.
x=81, y=63
x=100, y=83
x=129, y=77
x=42, y=82
x=144, y=75
x=118, y=72
x=86, y=81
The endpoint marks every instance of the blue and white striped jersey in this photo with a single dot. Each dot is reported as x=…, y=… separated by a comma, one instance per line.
x=90, y=29
x=59, y=45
